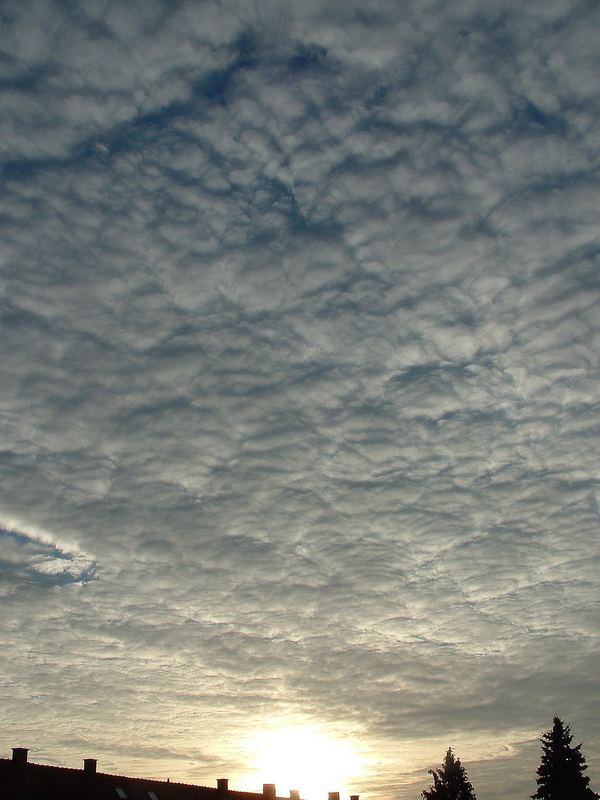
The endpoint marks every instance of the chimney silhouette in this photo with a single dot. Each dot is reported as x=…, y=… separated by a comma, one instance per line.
x=89, y=766
x=222, y=784
x=19, y=755
x=294, y=794
x=333, y=796
x=354, y=797
x=269, y=791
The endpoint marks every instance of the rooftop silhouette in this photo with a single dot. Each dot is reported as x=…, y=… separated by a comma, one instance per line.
x=21, y=778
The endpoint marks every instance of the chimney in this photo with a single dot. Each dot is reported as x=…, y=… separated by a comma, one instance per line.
x=333, y=796
x=89, y=766
x=354, y=797
x=294, y=794
x=19, y=755
x=222, y=784
x=269, y=791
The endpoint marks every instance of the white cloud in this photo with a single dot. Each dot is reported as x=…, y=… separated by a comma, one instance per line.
x=300, y=355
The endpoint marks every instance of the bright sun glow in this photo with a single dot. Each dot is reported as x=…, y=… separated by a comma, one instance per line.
x=304, y=757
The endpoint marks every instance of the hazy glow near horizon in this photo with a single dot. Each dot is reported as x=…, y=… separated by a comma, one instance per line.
x=306, y=757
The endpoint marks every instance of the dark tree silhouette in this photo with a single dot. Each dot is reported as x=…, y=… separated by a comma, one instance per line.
x=561, y=767
x=450, y=782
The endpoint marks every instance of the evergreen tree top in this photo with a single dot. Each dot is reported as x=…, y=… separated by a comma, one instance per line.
x=450, y=782
x=560, y=774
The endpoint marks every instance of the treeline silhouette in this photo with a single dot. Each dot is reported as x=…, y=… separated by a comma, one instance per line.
x=560, y=773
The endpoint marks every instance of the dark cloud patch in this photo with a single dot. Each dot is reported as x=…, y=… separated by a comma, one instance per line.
x=25, y=561
x=308, y=58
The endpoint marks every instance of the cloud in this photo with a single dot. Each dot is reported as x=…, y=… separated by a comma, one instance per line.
x=300, y=325
x=25, y=559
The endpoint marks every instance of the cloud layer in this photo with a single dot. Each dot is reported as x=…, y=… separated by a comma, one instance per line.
x=300, y=381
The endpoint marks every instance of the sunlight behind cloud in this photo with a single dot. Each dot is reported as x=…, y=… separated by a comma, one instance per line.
x=306, y=757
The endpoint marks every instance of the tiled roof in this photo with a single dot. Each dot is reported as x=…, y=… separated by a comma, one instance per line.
x=29, y=781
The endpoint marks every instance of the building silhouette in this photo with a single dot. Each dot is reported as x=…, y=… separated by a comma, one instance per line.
x=22, y=780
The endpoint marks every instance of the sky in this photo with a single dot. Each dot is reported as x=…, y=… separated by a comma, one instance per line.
x=299, y=388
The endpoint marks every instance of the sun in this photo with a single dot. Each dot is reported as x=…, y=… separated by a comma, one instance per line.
x=306, y=757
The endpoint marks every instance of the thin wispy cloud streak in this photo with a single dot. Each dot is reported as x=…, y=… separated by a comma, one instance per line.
x=300, y=314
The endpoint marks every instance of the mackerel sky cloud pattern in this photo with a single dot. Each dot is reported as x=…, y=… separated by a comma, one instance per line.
x=300, y=404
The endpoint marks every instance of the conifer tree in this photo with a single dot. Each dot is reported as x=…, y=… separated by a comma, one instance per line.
x=561, y=767
x=450, y=782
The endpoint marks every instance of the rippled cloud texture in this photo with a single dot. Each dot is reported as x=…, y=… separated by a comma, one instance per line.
x=301, y=313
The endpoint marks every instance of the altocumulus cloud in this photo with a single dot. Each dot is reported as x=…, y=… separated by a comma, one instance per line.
x=300, y=380
x=24, y=556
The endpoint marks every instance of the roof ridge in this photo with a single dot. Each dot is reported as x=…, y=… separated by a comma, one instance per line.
x=241, y=793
